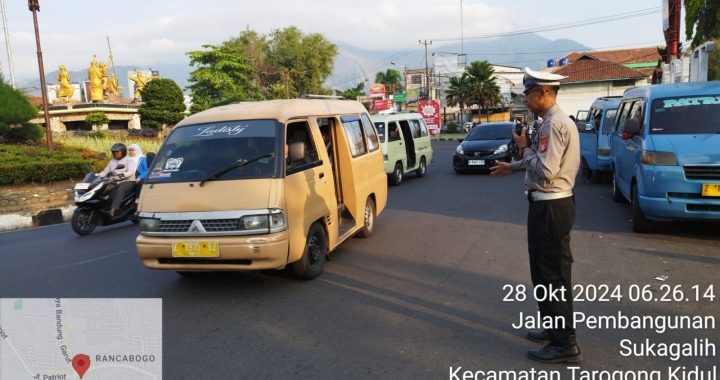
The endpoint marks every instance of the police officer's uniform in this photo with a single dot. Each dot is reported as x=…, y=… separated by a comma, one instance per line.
x=551, y=163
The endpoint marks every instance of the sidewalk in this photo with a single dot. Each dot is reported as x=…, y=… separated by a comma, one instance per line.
x=23, y=220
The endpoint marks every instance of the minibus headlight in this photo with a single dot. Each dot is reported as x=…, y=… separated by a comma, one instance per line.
x=459, y=149
x=254, y=222
x=651, y=157
x=149, y=224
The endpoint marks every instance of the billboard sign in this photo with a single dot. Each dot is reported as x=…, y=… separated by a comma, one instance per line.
x=430, y=111
x=377, y=89
x=380, y=105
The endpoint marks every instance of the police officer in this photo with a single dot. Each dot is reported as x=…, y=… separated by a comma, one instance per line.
x=551, y=163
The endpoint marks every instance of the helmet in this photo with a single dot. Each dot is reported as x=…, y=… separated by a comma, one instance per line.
x=119, y=147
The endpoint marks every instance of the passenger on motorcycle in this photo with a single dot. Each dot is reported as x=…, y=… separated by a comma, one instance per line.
x=125, y=177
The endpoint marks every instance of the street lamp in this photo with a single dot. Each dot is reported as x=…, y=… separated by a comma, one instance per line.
x=34, y=6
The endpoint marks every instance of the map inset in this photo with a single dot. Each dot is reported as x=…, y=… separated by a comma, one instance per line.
x=80, y=338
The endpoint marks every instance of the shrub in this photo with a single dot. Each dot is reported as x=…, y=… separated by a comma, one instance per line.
x=97, y=119
x=21, y=134
x=21, y=164
x=452, y=127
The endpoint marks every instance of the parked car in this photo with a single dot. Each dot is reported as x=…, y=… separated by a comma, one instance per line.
x=484, y=145
x=595, y=130
x=405, y=144
x=666, y=153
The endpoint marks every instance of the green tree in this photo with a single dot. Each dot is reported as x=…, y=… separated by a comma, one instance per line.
x=353, y=93
x=97, y=119
x=222, y=74
x=702, y=20
x=16, y=108
x=389, y=77
x=162, y=104
x=300, y=61
x=460, y=92
x=486, y=93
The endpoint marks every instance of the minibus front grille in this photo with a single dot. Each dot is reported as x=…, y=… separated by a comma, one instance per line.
x=210, y=225
x=175, y=225
x=703, y=208
x=702, y=172
x=220, y=225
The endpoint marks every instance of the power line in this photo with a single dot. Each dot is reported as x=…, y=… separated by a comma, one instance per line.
x=575, y=24
x=569, y=51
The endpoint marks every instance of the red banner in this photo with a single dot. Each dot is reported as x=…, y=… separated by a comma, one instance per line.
x=380, y=105
x=430, y=111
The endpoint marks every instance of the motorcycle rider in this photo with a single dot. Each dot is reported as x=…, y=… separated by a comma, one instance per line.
x=125, y=177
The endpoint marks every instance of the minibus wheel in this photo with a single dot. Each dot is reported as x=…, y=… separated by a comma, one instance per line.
x=422, y=169
x=311, y=263
x=397, y=175
x=369, y=217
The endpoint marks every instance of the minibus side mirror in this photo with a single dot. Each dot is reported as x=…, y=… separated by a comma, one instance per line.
x=297, y=151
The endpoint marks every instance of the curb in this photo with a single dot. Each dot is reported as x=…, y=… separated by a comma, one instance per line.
x=20, y=221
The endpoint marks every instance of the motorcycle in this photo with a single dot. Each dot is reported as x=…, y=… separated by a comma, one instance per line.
x=93, y=204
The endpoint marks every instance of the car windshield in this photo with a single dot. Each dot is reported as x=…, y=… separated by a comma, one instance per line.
x=192, y=153
x=500, y=131
x=685, y=115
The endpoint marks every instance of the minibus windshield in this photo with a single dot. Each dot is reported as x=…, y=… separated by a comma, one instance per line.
x=192, y=153
x=698, y=114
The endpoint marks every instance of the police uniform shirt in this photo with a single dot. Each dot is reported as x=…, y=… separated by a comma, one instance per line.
x=552, y=161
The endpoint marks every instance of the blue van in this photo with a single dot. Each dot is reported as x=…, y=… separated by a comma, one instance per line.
x=666, y=152
x=595, y=130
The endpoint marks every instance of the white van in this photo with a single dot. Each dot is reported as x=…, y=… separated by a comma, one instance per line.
x=405, y=143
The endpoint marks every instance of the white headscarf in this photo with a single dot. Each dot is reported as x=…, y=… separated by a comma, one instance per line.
x=138, y=153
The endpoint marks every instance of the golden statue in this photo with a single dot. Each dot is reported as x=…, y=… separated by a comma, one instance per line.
x=66, y=90
x=104, y=75
x=95, y=78
x=113, y=87
x=140, y=82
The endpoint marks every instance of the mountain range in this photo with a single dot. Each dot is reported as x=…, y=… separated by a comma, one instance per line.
x=354, y=65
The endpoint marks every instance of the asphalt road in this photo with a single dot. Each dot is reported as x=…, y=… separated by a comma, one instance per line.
x=423, y=294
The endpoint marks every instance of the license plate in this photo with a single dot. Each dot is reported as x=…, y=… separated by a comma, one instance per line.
x=196, y=249
x=476, y=162
x=709, y=190
x=82, y=186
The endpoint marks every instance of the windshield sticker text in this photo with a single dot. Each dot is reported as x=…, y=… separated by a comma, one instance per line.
x=214, y=130
x=173, y=164
x=696, y=101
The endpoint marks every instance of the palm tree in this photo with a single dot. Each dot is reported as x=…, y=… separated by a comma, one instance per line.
x=486, y=92
x=460, y=92
x=389, y=77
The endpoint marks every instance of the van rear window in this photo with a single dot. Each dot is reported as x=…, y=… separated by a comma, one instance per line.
x=685, y=115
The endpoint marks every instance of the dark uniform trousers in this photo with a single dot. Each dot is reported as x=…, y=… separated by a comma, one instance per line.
x=549, y=225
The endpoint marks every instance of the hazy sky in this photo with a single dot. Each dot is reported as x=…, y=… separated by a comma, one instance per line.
x=150, y=32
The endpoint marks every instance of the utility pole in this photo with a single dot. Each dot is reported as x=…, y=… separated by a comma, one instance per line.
x=427, y=68
x=34, y=6
x=286, y=74
x=462, y=44
x=7, y=42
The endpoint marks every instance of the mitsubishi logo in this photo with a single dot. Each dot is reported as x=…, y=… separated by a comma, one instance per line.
x=196, y=226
